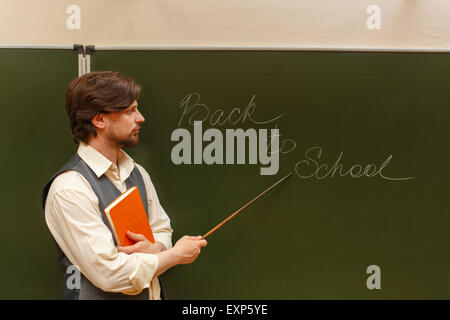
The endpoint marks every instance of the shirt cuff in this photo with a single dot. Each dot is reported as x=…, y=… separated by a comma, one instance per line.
x=164, y=239
x=147, y=266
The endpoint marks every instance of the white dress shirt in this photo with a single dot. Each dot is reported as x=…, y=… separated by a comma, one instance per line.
x=73, y=216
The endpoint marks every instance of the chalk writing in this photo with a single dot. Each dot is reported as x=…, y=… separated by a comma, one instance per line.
x=311, y=168
x=194, y=110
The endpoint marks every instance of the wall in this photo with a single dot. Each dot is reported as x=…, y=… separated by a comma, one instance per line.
x=329, y=23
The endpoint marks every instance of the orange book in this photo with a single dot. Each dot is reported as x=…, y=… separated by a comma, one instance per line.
x=127, y=213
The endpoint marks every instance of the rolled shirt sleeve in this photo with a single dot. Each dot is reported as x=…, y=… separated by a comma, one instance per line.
x=73, y=218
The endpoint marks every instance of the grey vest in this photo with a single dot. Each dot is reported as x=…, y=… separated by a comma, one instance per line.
x=106, y=192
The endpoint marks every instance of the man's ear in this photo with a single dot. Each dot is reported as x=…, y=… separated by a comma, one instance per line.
x=99, y=121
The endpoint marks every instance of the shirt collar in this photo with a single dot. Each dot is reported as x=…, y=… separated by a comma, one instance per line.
x=100, y=164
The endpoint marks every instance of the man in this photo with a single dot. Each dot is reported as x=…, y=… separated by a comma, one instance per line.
x=103, y=113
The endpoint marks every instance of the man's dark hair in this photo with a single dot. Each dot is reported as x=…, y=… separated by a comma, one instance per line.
x=94, y=93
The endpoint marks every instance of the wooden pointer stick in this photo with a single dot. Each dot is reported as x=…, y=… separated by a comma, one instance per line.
x=245, y=206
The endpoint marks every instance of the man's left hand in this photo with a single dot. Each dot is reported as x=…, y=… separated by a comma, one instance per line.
x=142, y=245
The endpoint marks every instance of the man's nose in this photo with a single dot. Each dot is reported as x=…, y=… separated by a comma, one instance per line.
x=140, y=118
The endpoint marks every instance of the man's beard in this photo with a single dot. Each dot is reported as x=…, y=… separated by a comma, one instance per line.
x=129, y=142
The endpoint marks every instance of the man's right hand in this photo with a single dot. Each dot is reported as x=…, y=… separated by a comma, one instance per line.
x=185, y=251
x=188, y=248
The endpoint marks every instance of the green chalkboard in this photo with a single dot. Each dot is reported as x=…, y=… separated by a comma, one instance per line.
x=365, y=136
x=36, y=140
x=370, y=117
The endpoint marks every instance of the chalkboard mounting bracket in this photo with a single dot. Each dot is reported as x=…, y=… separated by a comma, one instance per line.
x=79, y=48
